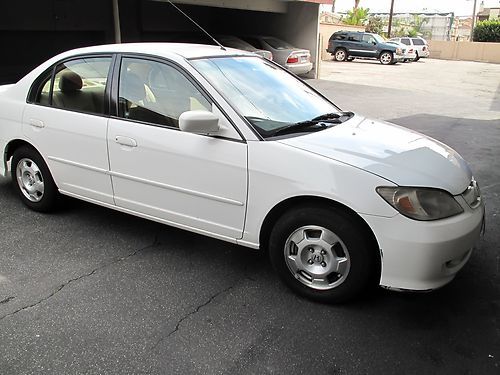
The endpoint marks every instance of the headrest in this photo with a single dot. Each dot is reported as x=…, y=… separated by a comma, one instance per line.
x=132, y=88
x=70, y=81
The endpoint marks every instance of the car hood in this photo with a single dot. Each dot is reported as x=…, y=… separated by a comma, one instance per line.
x=402, y=156
x=389, y=46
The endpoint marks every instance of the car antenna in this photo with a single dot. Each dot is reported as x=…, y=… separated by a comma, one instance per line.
x=201, y=28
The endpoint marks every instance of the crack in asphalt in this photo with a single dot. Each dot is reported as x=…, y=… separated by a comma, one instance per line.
x=191, y=313
x=66, y=283
x=6, y=300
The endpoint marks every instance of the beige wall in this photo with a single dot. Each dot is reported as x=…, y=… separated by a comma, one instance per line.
x=468, y=51
x=325, y=32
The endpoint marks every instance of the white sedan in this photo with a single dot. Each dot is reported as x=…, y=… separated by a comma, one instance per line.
x=232, y=146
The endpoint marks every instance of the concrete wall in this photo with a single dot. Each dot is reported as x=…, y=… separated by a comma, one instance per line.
x=299, y=26
x=325, y=32
x=468, y=51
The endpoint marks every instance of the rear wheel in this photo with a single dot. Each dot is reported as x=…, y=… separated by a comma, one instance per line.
x=340, y=54
x=32, y=180
x=322, y=253
x=386, y=58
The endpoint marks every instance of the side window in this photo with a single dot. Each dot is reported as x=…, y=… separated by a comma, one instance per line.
x=80, y=84
x=339, y=36
x=406, y=41
x=418, y=42
x=368, y=39
x=354, y=38
x=157, y=93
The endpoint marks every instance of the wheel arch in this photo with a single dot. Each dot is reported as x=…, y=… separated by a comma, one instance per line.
x=386, y=50
x=279, y=209
x=13, y=145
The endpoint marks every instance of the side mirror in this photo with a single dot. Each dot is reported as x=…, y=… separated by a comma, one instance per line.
x=374, y=43
x=200, y=122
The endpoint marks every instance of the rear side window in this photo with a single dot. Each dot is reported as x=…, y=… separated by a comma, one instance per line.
x=78, y=85
x=406, y=41
x=354, y=38
x=418, y=42
x=339, y=36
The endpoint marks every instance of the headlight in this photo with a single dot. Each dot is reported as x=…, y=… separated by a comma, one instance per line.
x=421, y=203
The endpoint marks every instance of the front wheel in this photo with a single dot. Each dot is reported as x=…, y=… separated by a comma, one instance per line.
x=386, y=58
x=32, y=180
x=323, y=254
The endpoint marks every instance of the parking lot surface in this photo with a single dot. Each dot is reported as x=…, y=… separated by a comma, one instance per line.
x=88, y=290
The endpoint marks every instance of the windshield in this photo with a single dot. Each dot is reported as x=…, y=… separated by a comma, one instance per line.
x=378, y=38
x=266, y=95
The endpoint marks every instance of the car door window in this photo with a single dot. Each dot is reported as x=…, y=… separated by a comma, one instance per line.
x=78, y=85
x=157, y=93
x=368, y=39
x=406, y=41
x=354, y=38
x=418, y=42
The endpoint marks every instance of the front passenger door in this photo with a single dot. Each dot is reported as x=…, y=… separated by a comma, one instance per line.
x=192, y=181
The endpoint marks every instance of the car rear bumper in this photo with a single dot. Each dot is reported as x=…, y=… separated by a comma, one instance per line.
x=419, y=255
x=300, y=68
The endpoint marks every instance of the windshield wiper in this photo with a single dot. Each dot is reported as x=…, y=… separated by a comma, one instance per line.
x=299, y=126
x=330, y=116
x=317, y=123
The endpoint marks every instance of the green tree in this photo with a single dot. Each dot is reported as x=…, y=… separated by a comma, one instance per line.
x=356, y=16
x=487, y=31
x=375, y=25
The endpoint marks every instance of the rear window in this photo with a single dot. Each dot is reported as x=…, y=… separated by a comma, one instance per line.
x=418, y=42
x=278, y=43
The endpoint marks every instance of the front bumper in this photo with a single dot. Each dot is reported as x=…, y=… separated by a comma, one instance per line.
x=419, y=255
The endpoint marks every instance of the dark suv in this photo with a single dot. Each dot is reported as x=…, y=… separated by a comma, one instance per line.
x=346, y=45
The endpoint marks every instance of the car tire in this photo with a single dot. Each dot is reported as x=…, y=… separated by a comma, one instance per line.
x=323, y=254
x=417, y=57
x=386, y=58
x=340, y=54
x=32, y=180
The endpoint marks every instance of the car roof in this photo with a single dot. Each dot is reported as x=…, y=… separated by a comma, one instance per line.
x=185, y=50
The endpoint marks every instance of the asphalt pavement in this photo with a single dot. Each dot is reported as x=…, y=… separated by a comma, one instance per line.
x=88, y=290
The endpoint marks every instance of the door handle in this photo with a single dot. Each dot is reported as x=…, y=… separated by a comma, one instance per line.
x=36, y=123
x=125, y=141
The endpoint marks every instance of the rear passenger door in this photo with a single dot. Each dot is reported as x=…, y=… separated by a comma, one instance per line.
x=66, y=120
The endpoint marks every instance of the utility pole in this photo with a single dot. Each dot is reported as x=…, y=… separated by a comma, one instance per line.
x=116, y=22
x=390, y=19
x=473, y=21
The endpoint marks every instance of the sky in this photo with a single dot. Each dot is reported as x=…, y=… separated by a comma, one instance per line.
x=459, y=7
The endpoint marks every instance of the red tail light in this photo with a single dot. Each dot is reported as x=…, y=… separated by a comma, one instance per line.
x=292, y=59
x=423, y=48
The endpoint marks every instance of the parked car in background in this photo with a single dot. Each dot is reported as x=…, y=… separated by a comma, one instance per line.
x=419, y=44
x=296, y=60
x=408, y=51
x=227, y=144
x=235, y=42
x=345, y=45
